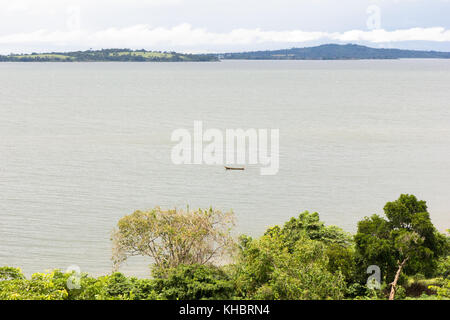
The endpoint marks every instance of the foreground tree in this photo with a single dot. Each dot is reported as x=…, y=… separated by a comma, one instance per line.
x=338, y=244
x=268, y=269
x=174, y=237
x=309, y=225
x=406, y=242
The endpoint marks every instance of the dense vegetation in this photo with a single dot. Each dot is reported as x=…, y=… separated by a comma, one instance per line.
x=303, y=259
x=108, y=55
x=336, y=52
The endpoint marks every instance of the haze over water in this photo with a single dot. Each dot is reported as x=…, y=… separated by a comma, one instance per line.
x=83, y=144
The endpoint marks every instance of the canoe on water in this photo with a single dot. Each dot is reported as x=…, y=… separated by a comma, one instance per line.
x=233, y=168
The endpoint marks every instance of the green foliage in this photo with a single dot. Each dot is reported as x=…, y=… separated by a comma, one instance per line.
x=443, y=267
x=400, y=293
x=183, y=282
x=41, y=286
x=443, y=292
x=268, y=269
x=337, y=243
x=406, y=236
x=419, y=286
x=119, y=286
x=443, y=264
x=309, y=225
x=53, y=286
x=341, y=259
x=359, y=291
x=193, y=282
x=9, y=273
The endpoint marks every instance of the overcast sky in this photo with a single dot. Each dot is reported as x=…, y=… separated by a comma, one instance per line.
x=221, y=25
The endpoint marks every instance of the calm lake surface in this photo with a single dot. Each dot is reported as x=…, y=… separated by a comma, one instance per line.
x=83, y=144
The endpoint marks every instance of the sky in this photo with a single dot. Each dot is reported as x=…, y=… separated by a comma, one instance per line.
x=221, y=25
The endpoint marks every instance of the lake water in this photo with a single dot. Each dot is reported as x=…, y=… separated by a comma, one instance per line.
x=83, y=144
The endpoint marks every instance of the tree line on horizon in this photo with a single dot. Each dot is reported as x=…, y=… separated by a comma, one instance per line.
x=105, y=55
x=322, y=52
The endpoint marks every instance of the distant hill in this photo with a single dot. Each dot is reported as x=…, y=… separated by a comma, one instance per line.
x=335, y=52
x=108, y=55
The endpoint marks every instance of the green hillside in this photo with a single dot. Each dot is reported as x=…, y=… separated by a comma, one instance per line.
x=108, y=55
x=335, y=52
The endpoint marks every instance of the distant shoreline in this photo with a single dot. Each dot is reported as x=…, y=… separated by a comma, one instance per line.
x=323, y=52
x=109, y=55
x=218, y=61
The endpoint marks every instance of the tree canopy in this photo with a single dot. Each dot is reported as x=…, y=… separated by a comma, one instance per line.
x=405, y=242
x=173, y=237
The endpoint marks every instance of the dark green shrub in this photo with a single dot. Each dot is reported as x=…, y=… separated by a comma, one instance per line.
x=193, y=282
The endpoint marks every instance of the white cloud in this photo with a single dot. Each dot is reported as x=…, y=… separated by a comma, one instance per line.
x=52, y=3
x=184, y=35
x=16, y=7
x=46, y=8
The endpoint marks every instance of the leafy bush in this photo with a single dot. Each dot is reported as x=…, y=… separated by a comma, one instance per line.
x=54, y=286
x=9, y=273
x=193, y=282
x=41, y=286
x=443, y=292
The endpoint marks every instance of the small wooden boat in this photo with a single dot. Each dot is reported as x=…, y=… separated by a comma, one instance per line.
x=234, y=168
